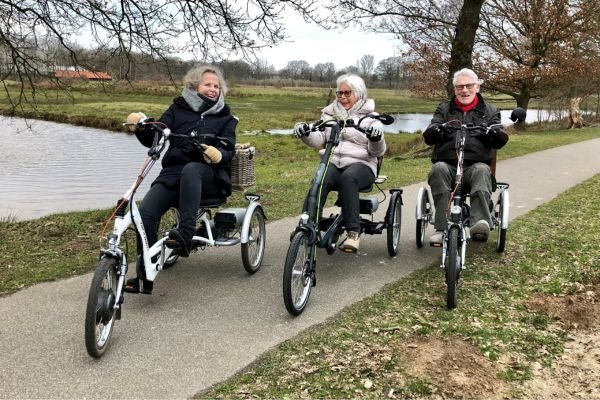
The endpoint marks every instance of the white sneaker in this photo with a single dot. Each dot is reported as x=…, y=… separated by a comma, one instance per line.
x=436, y=238
x=480, y=231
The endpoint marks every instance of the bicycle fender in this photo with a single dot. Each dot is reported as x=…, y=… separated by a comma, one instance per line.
x=247, y=218
x=418, y=209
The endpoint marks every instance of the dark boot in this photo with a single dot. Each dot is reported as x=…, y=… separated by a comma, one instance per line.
x=179, y=241
x=139, y=284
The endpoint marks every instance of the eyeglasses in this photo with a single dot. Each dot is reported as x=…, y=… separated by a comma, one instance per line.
x=468, y=86
x=346, y=93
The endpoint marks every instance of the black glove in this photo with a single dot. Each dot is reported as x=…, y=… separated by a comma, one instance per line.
x=301, y=129
x=495, y=132
x=433, y=130
x=374, y=134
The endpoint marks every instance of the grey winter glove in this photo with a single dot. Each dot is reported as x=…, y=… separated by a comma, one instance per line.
x=374, y=134
x=301, y=129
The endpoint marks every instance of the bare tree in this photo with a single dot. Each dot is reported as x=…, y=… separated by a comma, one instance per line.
x=449, y=23
x=324, y=72
x=389, y=70
x=209, y=30
x=532, y=49
x=366, y=65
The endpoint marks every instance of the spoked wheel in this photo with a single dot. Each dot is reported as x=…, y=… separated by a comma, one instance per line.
x=394, y=224
x=100, y=312
x=502, y=213
x=254, y=249
x=170, y=220
x=422, y=216
x=453, y=265
x=298, y=280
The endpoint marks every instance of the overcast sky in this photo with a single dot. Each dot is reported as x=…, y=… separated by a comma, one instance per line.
x=316, y=45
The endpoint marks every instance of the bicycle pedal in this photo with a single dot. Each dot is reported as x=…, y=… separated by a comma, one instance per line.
x=172, y=244
x=435, y=244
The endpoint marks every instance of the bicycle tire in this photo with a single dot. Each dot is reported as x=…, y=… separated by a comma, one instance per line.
x=394, y=224
x=453, y=266
x=502, y=214
x=297, y=279
x=254, y=250
x=100, y=312
x=422, y=220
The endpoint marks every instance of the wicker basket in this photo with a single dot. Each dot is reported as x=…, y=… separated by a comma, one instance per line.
x=242, y=167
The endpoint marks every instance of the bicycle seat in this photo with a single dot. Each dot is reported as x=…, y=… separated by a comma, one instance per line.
x=212, y=202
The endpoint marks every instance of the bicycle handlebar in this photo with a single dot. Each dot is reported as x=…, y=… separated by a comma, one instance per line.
x=518, y=115
x=162, y=133
x=320, y=125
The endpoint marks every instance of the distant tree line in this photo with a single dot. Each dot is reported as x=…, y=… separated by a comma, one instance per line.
x=388, y=73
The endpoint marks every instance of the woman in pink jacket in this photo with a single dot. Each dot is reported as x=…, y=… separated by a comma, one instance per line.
x=353, y=164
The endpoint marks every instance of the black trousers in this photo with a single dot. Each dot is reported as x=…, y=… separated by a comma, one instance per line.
x=197, y=181
x=348, y=182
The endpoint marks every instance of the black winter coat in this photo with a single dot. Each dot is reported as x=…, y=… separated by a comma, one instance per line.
x=478, y=148
x=182, y=120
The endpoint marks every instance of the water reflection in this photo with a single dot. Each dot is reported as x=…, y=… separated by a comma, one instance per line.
x=52, y=167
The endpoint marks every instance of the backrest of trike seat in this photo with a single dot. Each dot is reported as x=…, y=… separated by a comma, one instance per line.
x=493, y=168
x=370, y=187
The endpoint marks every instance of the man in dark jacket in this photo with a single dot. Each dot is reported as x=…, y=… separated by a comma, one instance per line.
x=195, y=166
x=468, y=107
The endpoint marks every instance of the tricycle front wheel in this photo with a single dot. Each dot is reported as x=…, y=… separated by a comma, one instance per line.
x=100, y=312
x=298, y=278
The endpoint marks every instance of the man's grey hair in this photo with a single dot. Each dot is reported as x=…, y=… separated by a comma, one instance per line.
x=192, y=79
x=466, y=72
x=356, y=83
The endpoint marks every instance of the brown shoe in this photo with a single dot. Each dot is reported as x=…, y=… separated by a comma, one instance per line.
x=351, y=243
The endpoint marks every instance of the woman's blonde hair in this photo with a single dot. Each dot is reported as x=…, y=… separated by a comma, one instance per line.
x=192, y=79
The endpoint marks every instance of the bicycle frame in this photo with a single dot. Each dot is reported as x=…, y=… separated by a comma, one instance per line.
x=456, y=215
x=124, y=218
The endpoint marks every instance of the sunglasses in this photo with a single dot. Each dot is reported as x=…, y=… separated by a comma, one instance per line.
x=461, y=87
x=346, y=93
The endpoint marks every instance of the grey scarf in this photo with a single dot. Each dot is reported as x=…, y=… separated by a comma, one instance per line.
x=195, y=102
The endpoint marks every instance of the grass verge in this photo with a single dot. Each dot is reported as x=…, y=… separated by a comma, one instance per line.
x=383, y=346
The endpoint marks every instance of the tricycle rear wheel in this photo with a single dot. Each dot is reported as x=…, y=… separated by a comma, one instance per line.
x=253, y=251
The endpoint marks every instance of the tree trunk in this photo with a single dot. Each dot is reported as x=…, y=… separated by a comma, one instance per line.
x=461, y=54
x=575, y=118
x=523, y=97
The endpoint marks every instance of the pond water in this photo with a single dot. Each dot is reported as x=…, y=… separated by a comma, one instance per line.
x=49, y=167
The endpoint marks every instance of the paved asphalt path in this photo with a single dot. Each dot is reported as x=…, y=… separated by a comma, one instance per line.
x=207, y=318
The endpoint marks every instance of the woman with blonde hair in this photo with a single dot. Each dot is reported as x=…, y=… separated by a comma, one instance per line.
x=195, y=166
